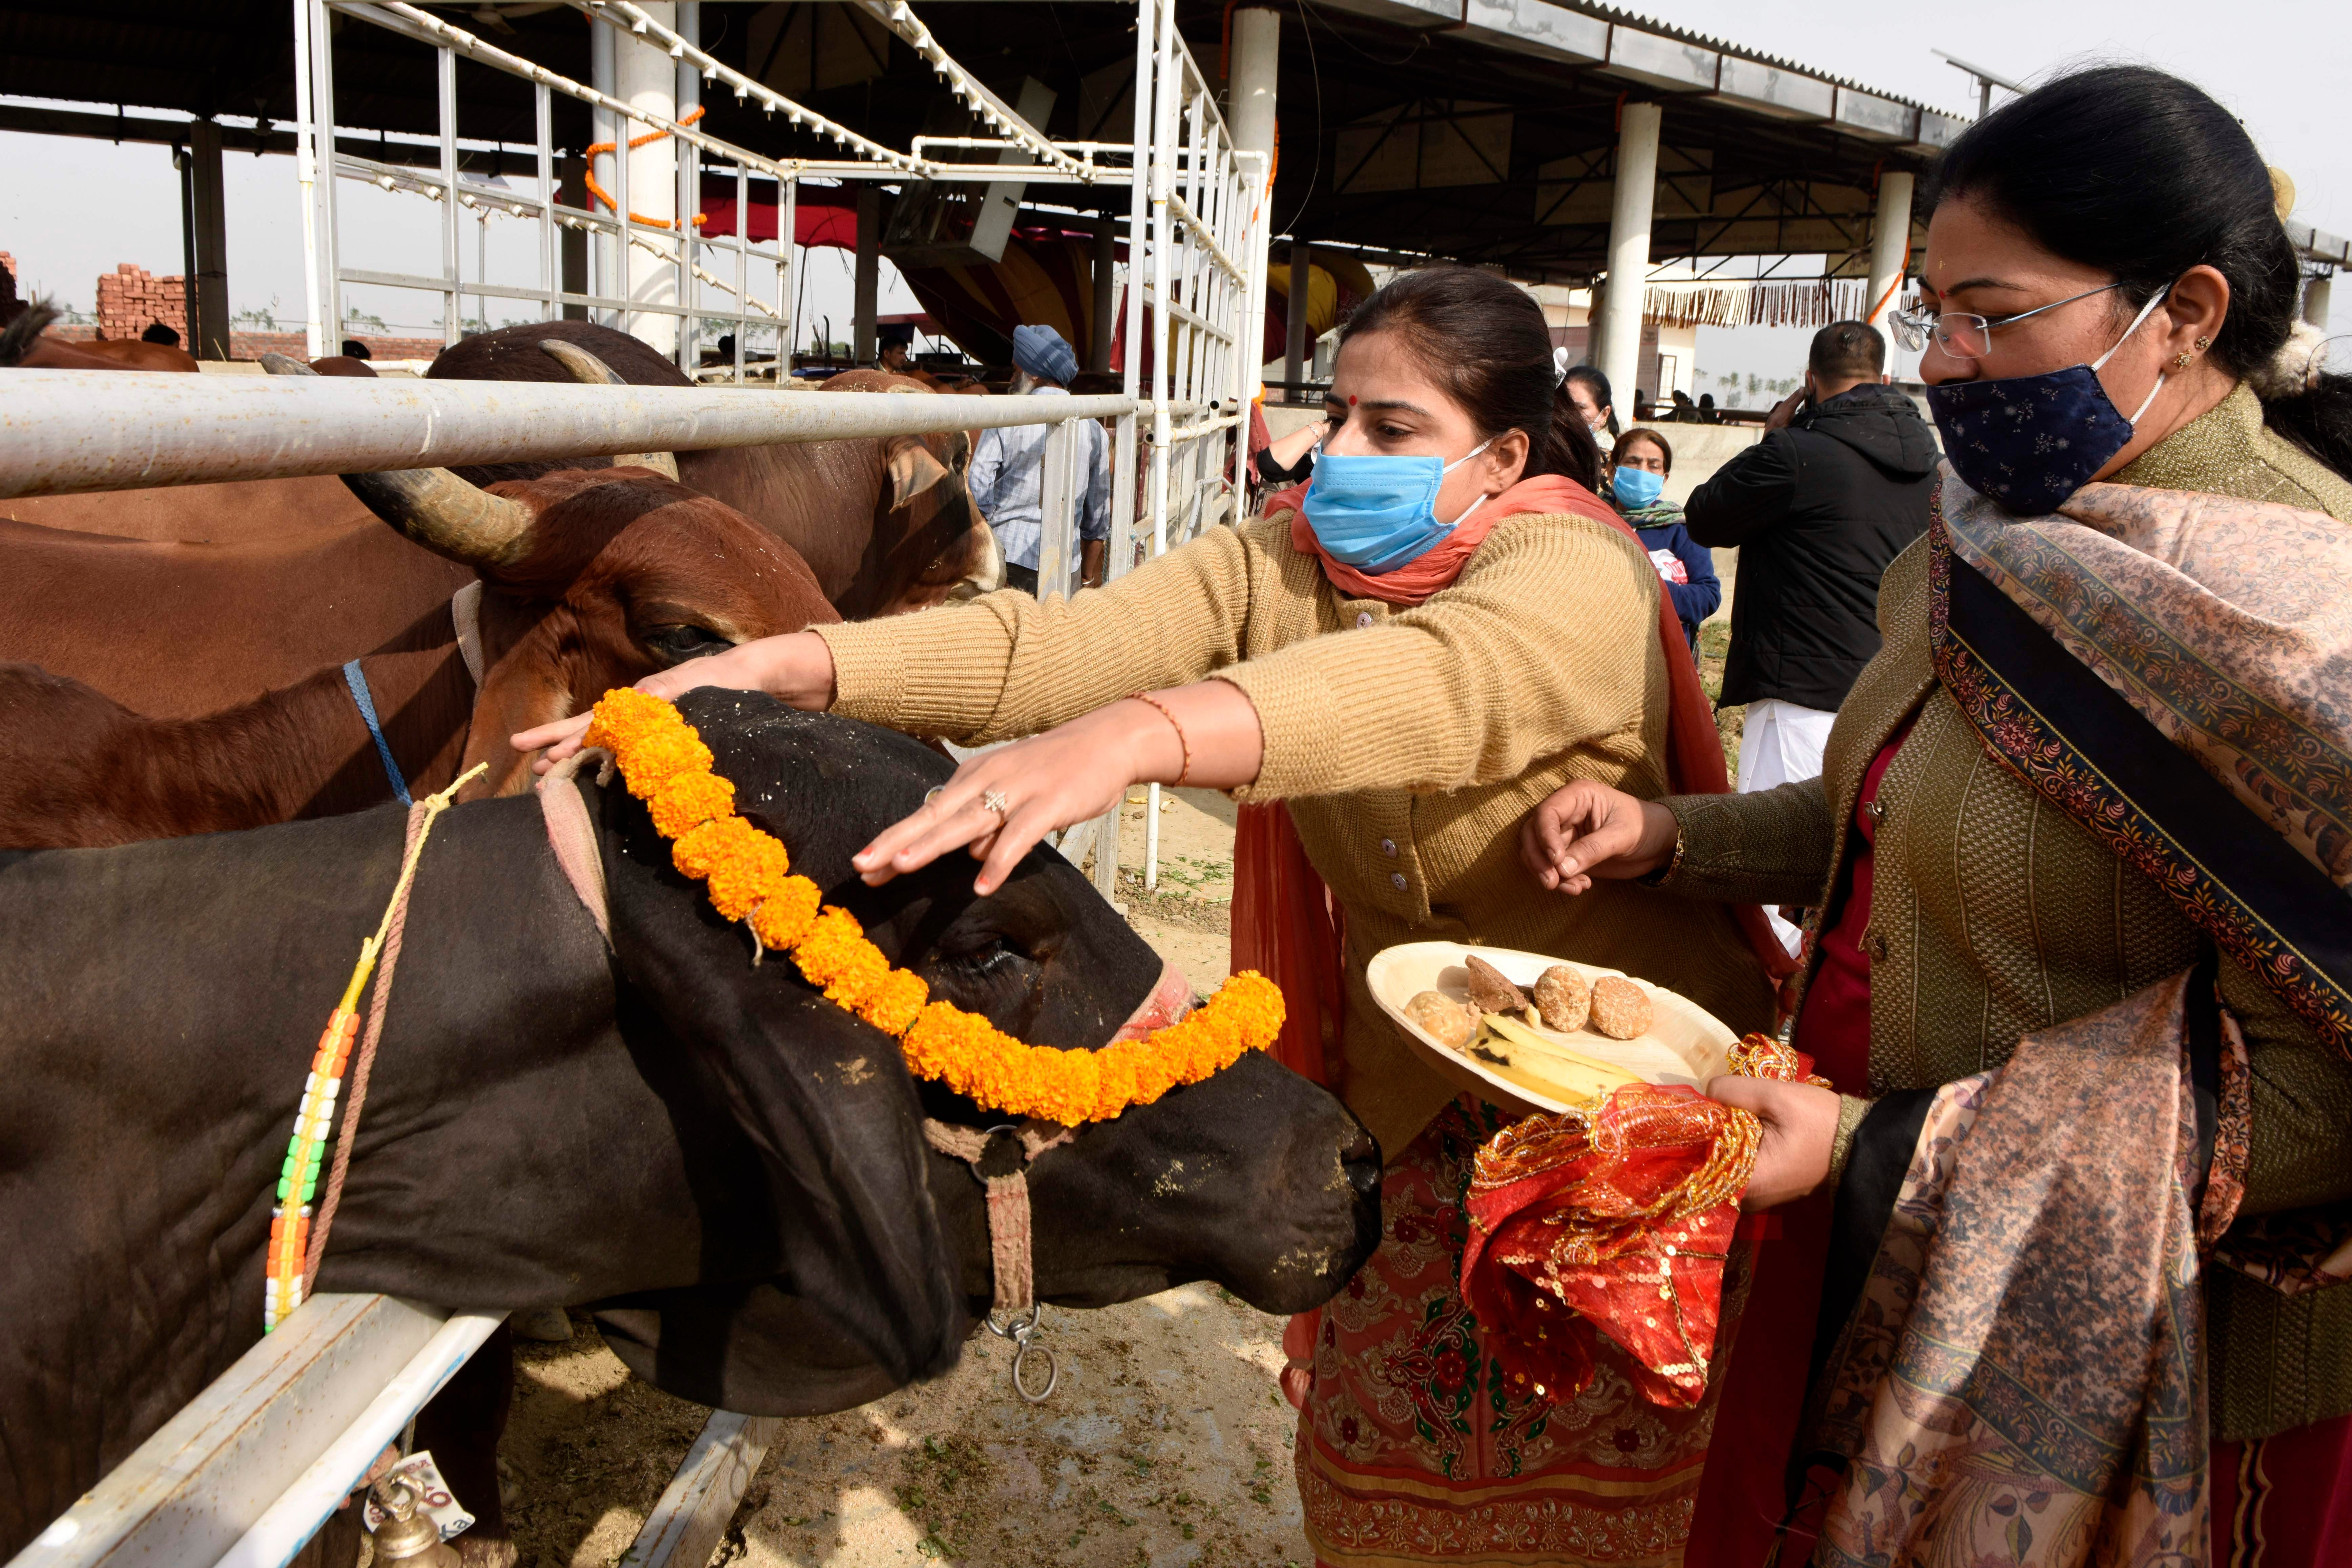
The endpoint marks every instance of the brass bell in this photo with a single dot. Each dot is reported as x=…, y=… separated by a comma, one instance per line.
x=407, y=1535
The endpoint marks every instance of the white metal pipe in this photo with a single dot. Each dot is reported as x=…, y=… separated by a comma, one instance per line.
x=66, y=430
x=550, y=274
x=322, y=108
x=686, y=90
x=445, y=60
x=645, y=78
x=306, y=169
x=603, y=126
x=1620, y=349
x=287, y=1524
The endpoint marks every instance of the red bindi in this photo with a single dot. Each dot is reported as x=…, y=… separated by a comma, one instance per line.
x=1351, y=403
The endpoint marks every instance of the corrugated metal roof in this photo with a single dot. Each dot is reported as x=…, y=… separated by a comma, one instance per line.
x=1683, y=35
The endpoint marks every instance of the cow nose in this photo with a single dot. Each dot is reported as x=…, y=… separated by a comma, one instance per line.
x=1361, y=1158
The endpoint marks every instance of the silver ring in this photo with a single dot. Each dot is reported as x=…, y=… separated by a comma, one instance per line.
x=933, y=793
x=994, y=801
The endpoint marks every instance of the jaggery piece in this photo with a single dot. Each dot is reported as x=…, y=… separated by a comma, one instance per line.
x=1563, y=998
x=1451, y=1023
x=1490, y=990
x=1620, y=1008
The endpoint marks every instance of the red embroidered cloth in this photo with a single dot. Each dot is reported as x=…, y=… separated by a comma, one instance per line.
x=1617, y=1222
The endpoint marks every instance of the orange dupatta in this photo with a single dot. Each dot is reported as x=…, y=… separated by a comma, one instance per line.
x=1286, y=926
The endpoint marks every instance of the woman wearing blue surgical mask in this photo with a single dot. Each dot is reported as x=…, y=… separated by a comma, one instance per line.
x=1638, y=467
x=1387, y=670
x=2077, y=864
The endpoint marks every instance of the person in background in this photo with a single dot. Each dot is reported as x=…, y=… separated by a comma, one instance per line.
x=1589, y=390
x=1008, y=467
x=1638, y=467
x=1707, y=414
x=1837, y=486
x=1684, y=412
x=898, y=351
x=1291, y=460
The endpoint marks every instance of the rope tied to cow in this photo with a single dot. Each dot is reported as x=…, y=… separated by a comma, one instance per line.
x=296, y=1245
x=1010, y=1234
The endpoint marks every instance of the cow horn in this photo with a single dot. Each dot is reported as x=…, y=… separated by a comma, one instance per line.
x=285, y=364
x=586, y=367
x=446, y=514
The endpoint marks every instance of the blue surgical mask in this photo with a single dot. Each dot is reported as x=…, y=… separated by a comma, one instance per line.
x=1636, y=488
x=1376, y=512
x=2032, y=441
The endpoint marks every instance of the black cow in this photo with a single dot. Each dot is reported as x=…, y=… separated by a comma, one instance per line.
x=729, y=1166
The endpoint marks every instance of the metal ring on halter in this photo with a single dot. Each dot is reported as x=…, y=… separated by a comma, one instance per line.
x=1053, y=1372
x=994, y=801
x=1017, y=1330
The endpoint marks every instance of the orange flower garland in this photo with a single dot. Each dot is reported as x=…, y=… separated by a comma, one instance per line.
x=748, y=874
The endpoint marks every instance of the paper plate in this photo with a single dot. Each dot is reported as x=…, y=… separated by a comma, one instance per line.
x=1686, y=1042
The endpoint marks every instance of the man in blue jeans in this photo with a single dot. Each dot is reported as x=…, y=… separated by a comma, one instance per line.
x=1008, y=468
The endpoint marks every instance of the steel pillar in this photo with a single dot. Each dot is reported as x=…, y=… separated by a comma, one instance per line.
x=1618, y=348
x=2315, y=302
x=867, y=287
x=207, y=245
x=1293, y=349
x=1890, y=244
x=1106, y=288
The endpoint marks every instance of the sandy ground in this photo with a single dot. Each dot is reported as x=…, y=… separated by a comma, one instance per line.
x=1166, y=1445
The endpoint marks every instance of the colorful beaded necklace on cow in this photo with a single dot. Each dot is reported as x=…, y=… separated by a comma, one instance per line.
x=666, y=764
x=297, y=1179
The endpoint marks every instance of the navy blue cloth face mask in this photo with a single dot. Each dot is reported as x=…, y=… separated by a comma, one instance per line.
x=2032, y=441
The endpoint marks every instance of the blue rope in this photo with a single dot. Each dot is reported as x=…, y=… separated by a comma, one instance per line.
x=358, y=683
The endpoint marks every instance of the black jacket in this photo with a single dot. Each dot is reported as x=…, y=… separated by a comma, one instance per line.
x=1817, y=510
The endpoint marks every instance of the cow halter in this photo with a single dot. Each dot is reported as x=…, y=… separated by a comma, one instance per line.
x=1010, y=1234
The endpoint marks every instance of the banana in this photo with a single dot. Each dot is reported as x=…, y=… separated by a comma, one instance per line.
x=1522, y=1055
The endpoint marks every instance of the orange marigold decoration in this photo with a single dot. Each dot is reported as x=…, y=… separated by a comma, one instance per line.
x=1615, y=1218
x=748, y=874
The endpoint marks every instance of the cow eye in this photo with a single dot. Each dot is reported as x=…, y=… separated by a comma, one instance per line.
x=677, y=644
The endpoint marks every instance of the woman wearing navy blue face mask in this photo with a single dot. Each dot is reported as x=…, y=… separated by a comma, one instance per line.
x=1387, y=670
x=2080, y=854
x=1638, y=467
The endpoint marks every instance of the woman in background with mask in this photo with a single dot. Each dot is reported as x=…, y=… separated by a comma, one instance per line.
x=2085, y=819
x=1589, y=390
x=1638, y=467
x=1408, y=654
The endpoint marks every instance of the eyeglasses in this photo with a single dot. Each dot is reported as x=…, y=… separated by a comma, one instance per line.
x=1964, y=335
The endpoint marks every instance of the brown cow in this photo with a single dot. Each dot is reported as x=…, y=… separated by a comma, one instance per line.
x=885, y=525
x=592, y=580
x=25, y=344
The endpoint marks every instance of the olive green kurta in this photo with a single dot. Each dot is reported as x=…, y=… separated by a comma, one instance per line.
x=1408, y=742
x=1993, y=914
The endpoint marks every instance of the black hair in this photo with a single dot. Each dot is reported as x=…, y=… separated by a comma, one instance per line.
x=1643, y=433
x=1486, y=342
x=1844, y=350
x=1596, y=387
x=2142, y=175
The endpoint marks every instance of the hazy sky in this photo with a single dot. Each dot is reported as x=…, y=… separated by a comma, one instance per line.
x=71, y=208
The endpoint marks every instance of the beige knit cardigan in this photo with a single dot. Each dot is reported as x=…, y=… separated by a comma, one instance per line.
x=1409, y=742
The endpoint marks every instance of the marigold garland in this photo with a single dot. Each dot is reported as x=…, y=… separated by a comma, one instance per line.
x=747, y=873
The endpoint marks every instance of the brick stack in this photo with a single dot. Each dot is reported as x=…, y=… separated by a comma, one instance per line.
x=131, y=298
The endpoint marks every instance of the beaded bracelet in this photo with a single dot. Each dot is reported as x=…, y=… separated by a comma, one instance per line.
x=1185, y=772
x=298, y=1177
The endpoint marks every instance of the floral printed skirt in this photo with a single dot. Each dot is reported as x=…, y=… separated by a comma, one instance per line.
x=1410, y=1449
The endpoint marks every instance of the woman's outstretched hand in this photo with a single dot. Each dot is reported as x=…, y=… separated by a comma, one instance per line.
x=1001, y=804
x=796, y=667
x=1799, y=1127
x=1586, y=830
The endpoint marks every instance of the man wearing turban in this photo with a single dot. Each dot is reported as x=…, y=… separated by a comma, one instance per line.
x=1008, y=467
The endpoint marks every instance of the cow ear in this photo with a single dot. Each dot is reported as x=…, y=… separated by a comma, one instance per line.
x=824, y=1098
x=913, y=470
